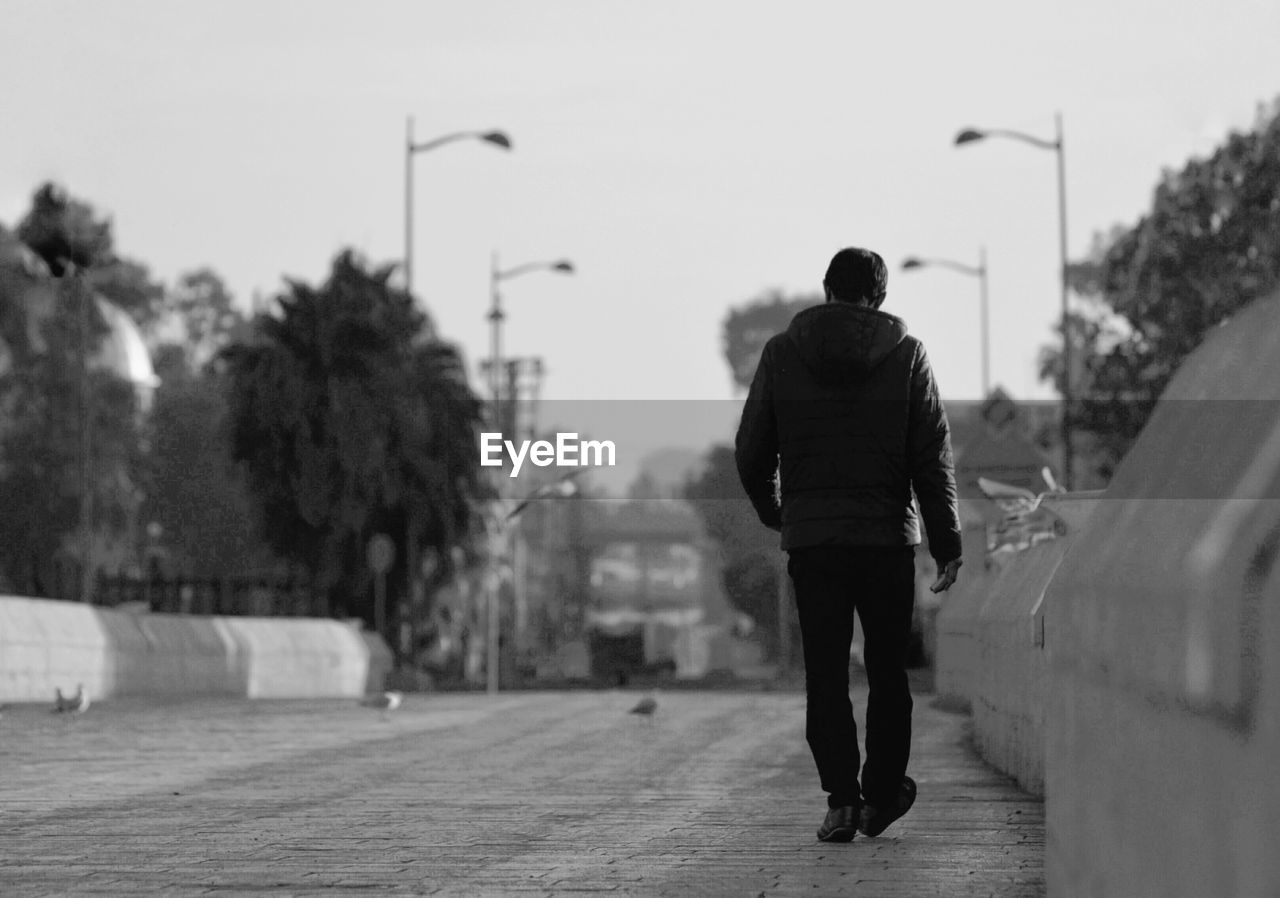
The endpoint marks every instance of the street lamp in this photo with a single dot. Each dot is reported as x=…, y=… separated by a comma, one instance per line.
x=496, y=316
x=980, y=272
x=497, y=138
x=71, y=284
x=561, y=489
x=973, y=135
x=498, y=531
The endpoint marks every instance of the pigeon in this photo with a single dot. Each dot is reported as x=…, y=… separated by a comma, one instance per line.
x=79, y=703
x=386, y=701
x=1024, y=522
x=1015, y=501
x=562, y=488
x=645, y=707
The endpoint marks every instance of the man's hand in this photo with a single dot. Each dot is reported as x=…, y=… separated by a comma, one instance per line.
x=946, y=575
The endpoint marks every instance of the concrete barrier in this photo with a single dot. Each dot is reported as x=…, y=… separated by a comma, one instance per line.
x=45, y=644
x=48, y=644
x=305, y=659
x=1011, y=683
x=167, y=654
x=1163, y=640
x=991, y=638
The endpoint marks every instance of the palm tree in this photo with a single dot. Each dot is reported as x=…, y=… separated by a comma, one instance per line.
x=352, y=417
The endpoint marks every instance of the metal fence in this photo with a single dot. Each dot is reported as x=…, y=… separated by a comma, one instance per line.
x=234, y=596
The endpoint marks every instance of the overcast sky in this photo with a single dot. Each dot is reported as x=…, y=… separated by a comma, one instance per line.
x=685, y=157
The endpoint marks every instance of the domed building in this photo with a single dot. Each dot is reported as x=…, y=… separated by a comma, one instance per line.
x=124, y=353
x=28, y=297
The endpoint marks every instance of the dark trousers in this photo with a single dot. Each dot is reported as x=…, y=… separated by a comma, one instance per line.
x=832, y=582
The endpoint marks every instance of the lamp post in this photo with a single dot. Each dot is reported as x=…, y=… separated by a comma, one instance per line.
x=72, y=283
x=497, y=138
x=496, y=316
x=980, y=272
x=498, y=524
x=972, y=135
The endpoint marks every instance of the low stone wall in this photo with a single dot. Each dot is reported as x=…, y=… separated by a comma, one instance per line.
x=306, y=659
x=1011, y=683
x=165, y=654
x=48, y=644
x=1163, y=639
x=991, y=639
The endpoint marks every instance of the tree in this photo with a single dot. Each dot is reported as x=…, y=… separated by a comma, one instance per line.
x=196, y=493
x=41, y=448
x=1209, y=245
x=46, y=404
x=749, y=326
x=351, y=417
x=61, y=229
x=127, y=283
x=206, y=312
x=748, y=550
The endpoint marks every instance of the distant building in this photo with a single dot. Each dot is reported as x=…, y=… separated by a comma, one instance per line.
x=993, y=439
x=655, y=598
x=28, y=297
x=124, y=353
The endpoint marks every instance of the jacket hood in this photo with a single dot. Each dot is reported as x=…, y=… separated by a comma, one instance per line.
x=839, y=342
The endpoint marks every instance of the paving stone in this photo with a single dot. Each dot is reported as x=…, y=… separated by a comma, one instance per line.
x=461, y=794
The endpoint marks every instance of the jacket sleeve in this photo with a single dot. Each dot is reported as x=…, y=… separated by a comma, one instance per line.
x=756, y=446
x=933, y=475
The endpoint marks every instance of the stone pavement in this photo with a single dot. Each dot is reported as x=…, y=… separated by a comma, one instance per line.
x=518, y=794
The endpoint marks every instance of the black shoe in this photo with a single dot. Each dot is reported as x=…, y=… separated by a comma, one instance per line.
x=840, y=825
x=875, y=820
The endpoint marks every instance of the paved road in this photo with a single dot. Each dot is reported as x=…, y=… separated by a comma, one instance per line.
x=519, y=794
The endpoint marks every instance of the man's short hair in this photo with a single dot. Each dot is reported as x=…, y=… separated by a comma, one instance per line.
x=856, y=274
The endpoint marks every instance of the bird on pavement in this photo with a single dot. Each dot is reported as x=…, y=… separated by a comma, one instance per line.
x=645, y=707
x=79, y=703
x=385, y=701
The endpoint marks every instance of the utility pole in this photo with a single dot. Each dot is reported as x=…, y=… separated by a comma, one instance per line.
x=73, y=288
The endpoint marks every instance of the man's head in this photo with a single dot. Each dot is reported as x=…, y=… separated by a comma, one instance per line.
x=856, y=276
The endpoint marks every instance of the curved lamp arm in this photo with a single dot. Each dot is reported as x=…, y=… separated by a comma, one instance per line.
x=912, y=262
x=972, y=135
x=561, y=265
x=497, y=138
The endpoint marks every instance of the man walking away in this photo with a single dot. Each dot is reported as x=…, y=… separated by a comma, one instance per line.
x=845, y=409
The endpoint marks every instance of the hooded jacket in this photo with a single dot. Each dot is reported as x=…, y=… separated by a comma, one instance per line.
x=845, y=411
